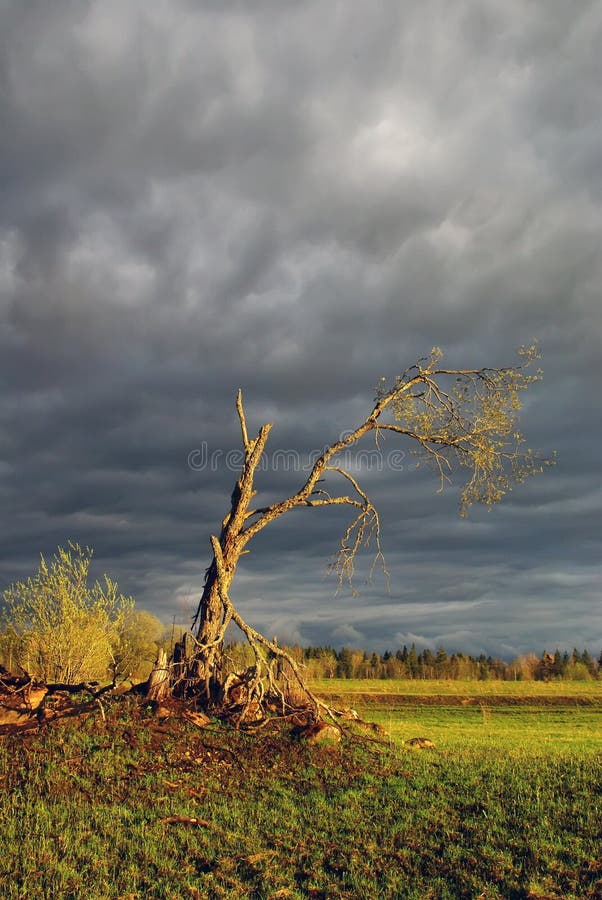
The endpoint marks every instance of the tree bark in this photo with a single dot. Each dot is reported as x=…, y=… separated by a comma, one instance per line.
x=159, y=682
x=213, y=615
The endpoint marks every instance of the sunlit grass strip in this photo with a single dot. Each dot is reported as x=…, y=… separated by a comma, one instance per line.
x=526, y=731
x=429, y=687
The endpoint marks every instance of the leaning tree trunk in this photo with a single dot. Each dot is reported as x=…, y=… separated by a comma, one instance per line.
x=202, y=670
x=203, y=673
x=199, y=672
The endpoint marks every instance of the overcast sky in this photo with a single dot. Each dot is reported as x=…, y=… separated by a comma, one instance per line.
x=298, y=198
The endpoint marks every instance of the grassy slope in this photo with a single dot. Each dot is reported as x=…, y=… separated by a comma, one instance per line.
x=501, y=809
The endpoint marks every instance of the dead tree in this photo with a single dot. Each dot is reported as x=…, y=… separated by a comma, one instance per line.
x=454, y=418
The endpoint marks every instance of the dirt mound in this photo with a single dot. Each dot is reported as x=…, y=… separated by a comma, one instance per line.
x=400, y=700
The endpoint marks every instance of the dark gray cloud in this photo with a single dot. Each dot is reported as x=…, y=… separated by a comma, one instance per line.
x=298, y=198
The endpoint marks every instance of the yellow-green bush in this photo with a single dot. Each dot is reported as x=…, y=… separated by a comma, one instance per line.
x=60, y=628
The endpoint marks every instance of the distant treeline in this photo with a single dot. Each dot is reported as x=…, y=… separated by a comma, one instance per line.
x=326, y=662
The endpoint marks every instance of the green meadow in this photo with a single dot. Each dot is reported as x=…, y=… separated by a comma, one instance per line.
x=520, y=718
x=507, y=805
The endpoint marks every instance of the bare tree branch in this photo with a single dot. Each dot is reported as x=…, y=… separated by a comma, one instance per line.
x=243, y=423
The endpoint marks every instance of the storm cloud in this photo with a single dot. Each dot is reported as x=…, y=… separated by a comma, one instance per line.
x=297, y=199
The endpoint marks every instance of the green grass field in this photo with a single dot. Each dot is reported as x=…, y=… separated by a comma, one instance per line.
x=508, y=805
x=520, y=718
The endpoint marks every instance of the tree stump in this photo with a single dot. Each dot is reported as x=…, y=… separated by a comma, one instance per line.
x=159, y=683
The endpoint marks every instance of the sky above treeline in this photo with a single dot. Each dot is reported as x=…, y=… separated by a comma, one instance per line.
x=297, y=198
